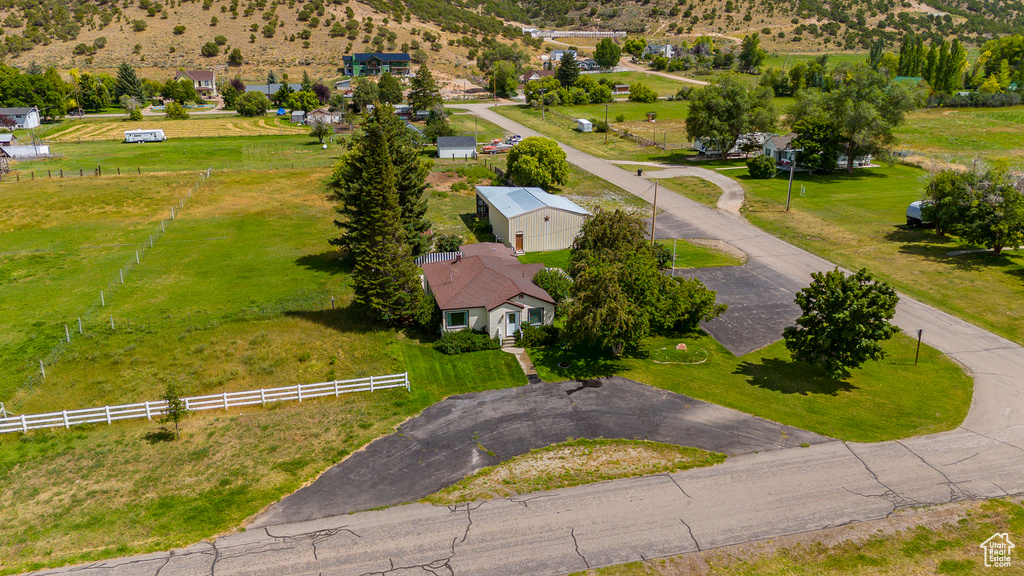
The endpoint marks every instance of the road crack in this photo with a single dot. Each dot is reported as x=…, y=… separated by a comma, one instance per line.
x=898, y=501
x=572, y=532
x=692, y=537
x=669, y=476
x=956, y=493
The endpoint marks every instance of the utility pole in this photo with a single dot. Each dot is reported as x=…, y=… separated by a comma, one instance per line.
x=606, y=124
x=792, y=167
x=654, y=212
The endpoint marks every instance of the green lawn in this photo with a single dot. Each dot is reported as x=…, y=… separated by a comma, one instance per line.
x=633, y=111
x=466, y=124
x=961, y=135
x=858, y=221
x=660, y=84
x=552, y=259
x=183, y=154
x=787, y=61
x=881, y=401
x=689, y=255
x=236, y=295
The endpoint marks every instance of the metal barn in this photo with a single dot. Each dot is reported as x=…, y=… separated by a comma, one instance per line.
x=529, y=219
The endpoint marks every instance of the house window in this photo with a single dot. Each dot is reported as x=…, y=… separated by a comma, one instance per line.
x=535, y=316
x=458, y=319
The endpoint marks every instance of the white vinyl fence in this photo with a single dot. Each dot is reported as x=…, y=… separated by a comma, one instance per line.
x=108, y=414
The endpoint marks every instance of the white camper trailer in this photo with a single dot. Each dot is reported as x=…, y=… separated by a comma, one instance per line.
x=140, y=136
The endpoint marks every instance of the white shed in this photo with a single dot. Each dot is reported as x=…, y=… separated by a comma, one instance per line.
x=529, y=219
x=298, y=117
x=584, y=125
x=456, y=147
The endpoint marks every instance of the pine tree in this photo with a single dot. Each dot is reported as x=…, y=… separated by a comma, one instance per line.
x=348, y=183
x=424, y=93
x=128, y=83
x=568, y=69
x=384, y=278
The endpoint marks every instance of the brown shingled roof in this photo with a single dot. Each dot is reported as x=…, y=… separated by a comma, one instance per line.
x=487, y=280
x=196, y=75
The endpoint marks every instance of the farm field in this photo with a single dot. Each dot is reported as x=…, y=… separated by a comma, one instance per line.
x=960, y=135
x=195, y=127
x=858, y=221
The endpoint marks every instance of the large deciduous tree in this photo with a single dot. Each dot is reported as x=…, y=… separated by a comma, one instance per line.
x=503, y=79
x=865, y=108
x=347, y=183
x=726, y=109
x=751, y=54
x=364, y=94
x=253, y=103
x=607, y=53
x=538, y=161
x=981, y=205
x=618, y=295
x=843, y=323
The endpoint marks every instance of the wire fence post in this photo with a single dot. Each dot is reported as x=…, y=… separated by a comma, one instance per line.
x=111, y=322
x=137, y=257
x=103, y=302
x=121, y=272
x=79, y=325
x=42, y=369
x=67, y=333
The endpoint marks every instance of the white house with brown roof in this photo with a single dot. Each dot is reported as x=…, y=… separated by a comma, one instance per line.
x=487, y=289
x=205, y=81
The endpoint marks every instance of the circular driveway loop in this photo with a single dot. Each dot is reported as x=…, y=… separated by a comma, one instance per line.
x=451, y=440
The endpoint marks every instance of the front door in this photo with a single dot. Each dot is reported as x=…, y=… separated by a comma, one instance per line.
x=519, y=241
x=511, y=323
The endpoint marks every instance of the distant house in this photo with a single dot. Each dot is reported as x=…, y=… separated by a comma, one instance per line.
x=205, y=81
x=589, y=64
x=556, y=55
x=456, y=147
x=345, y=84
x=298, y=117
x=745, y=144
x=8, y=140
x=529, y=219
x=777, y=148
x=376, y=63
x=620, y=89
x=324, y=116
x=531, y=75
x=487, y=289
x=25, y=118
x=666, y=50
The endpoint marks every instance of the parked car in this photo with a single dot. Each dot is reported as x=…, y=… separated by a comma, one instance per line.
x=914, y=218
x=514, y=139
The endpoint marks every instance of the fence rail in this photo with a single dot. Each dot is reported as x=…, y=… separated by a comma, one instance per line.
x=224, y=401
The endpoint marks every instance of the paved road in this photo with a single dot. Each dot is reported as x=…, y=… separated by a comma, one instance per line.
x=462, y=434
x=749, y=497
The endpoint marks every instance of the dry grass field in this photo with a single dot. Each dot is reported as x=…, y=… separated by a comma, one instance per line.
x=195, y=127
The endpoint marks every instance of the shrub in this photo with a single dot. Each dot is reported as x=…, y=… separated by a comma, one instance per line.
x=220, y=40
x=537, y=336
x=447, y=242
x=663, y=255
x=640, y=92
x=179, y=30
x=176, y=111
x=599, y=125
x=135, y=115
x=210, y=49
x=139, y=25
x=620, y=118
x=761, y=167
x=465, y=341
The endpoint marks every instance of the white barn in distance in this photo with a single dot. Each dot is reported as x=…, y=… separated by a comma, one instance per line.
x=529, y=219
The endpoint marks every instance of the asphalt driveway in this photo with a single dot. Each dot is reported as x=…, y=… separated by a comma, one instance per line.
x=462, y=434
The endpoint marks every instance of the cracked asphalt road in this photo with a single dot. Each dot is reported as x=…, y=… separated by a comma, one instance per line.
x=457, y=437
x=750, y=497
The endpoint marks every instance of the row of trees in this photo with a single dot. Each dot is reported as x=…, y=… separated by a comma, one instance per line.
x=983, y=205
x=857, y=116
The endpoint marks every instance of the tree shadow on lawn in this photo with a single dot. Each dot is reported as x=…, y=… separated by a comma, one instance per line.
x=791, y=378
x=343, y=319
x=331, y=261
x=929, y=245
x=571, y=364
x=162, y=435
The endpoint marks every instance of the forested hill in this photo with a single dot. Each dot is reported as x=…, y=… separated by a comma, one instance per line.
x=174, y=32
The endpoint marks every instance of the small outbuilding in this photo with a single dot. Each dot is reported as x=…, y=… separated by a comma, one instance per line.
x=456, y=147
x=298, y=117
x=25, y=118
x=584, y=125
x=8, y=140
x=529, y=219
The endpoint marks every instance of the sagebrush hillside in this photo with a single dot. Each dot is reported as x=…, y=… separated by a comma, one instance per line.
x=449, y=33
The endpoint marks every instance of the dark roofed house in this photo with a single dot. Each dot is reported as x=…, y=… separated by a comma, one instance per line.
x=25, y=118
x=456, y=147
x=488, y=290
x=376, y=63
x=205, y=81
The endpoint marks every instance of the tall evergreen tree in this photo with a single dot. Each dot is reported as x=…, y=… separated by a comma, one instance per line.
x=568, y=69
x=128, y=83
x=424, y=93
x=384, y=278
x=389, y=89
x=411, y=182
